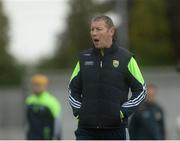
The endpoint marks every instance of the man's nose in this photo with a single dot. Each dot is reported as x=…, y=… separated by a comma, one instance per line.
x=94, y=33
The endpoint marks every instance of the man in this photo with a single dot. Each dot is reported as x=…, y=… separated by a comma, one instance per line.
x=148, y=122
x=43, y=111
x=99, y=86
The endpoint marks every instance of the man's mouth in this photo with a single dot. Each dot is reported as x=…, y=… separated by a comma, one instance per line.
x=96, y=40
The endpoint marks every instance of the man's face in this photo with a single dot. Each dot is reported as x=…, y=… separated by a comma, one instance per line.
x=101, y=34
x=151, y=92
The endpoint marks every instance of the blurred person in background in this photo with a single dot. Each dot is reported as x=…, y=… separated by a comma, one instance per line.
x=99, y=86
x=148, y=122
x=43, y=111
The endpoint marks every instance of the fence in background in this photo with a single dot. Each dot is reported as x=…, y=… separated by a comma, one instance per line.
x=12, y=102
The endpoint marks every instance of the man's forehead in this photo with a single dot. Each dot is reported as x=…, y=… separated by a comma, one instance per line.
x=98, y=23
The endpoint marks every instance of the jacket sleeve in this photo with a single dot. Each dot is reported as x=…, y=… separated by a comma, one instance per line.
x=57, y=128
x=57, y=120
x=138, y=88
x=75, y=91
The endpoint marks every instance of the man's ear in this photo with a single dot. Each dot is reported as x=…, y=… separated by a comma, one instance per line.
x=112, y=31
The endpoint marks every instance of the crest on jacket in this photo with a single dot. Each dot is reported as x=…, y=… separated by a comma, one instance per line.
x=115, y=63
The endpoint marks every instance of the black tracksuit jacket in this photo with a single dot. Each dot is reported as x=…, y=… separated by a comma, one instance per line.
x=99, y=87
x=148, y=123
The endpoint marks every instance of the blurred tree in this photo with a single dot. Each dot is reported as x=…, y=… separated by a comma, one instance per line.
x=149, y=32
x=174, y=16
x=76, y=36
x=9, y=72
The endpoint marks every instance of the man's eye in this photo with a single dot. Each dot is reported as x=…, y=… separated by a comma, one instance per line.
x=96, y=29
x=99, y=29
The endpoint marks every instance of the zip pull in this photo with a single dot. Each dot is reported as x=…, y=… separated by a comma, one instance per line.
x=101, y=64
x=102, y=52
x=102, y=55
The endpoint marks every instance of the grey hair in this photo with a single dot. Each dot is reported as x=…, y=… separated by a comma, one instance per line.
x=105, y=18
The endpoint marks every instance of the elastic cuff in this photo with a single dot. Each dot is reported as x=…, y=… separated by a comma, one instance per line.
x=121, y=115
x=77, y=117
x=124, y=112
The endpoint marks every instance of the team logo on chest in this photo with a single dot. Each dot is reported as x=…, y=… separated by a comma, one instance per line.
x=115, y=63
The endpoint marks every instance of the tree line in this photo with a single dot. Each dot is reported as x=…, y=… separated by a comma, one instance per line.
x=153, y=29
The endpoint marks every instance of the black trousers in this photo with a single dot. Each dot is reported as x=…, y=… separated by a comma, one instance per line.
x=101, y=134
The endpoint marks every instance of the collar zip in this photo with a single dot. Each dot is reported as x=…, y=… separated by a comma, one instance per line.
x=105, y=51
x=102, y=52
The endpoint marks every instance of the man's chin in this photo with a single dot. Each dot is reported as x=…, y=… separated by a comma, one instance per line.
x=98, y=47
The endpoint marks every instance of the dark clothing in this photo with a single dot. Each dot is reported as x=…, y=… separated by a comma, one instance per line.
x=103, y=134
x=43, y=112
x=41, y=123
x=147, y=123
x=99, y=87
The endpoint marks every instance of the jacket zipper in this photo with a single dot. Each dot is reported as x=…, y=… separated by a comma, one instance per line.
x=101, y=59
x=101, y=65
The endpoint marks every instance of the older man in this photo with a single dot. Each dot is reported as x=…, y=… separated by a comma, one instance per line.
x=99, y=85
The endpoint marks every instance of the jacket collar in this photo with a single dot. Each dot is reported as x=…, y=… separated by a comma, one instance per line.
x=106, y=51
